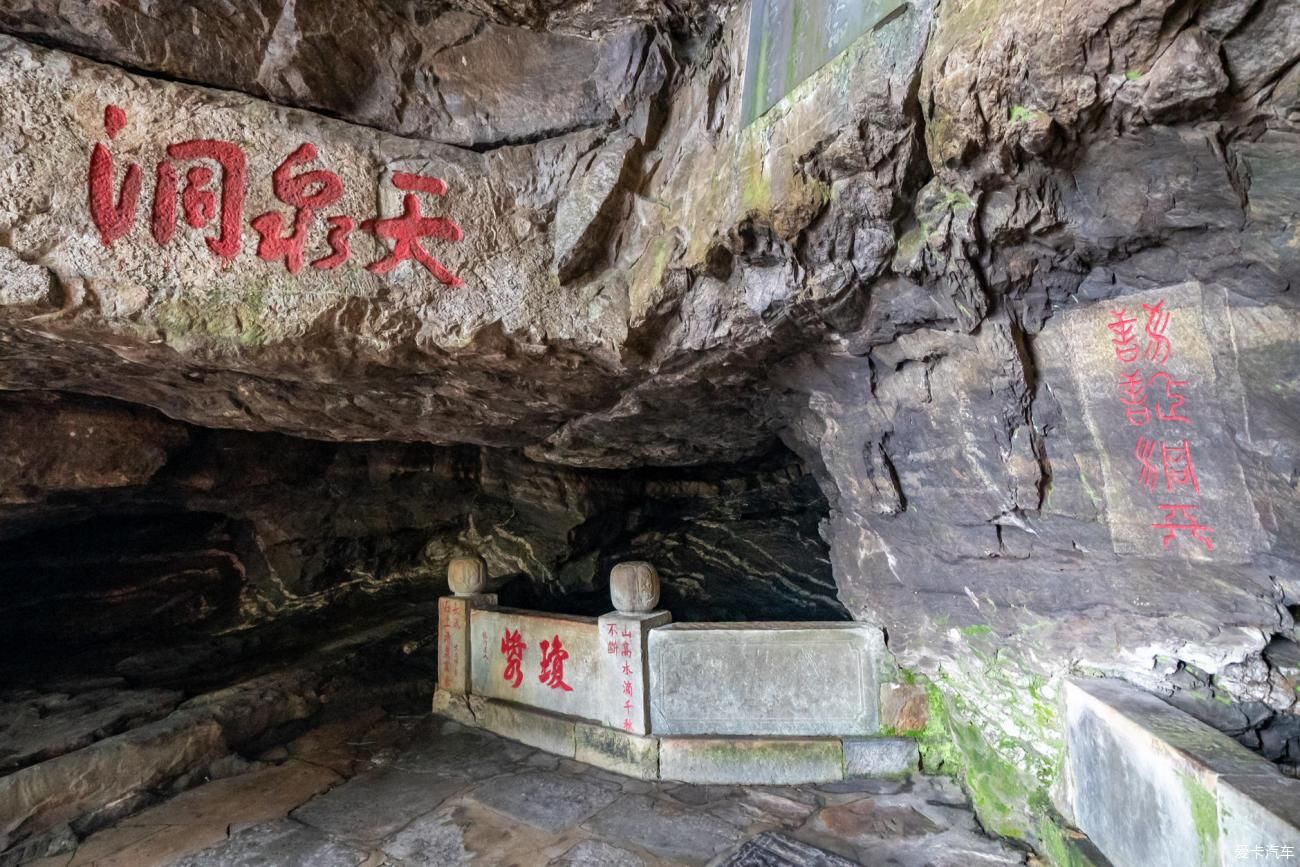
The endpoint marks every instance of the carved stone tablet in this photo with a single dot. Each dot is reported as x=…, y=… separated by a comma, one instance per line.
x=769, y=679
x=1139, y=381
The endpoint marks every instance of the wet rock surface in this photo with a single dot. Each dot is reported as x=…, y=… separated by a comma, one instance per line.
x=493, y=801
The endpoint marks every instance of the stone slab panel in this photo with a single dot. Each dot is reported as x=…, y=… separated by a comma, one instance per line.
x=42, y=796
x=594, y=853
x=766, y=679
x=372, y=806
x=1137, y=376
x=280, y=842
x=625, y=650
x=672, y=831
x=789, y=40
x=456, y=707
x=751, y=761
x=774, y=849
x=501, y=635
x=880, y=757
x=1152, y=786
x=434, y=838
x=550, y=800
x=535, y=728
x=618, y=751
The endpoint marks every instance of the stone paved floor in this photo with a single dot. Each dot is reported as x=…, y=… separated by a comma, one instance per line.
x=440, y=794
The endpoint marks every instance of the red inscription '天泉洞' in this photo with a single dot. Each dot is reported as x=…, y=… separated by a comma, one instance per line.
x=206, y=196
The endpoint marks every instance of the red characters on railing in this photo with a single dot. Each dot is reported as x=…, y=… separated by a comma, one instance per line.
x=553, y=656
x=512, y=645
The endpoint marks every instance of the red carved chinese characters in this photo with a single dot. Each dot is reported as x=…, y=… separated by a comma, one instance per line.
x=1174, y=399
x=406, y=231
x=1134, y=397
x=553, y=656
x=308, y=192
x=1121, y=327
x=1180, y=518
x=337, y=238
x=449, y=619
x=621, y=651
x=1161, y=393
x=1149, y=472
x=112, y=219
x=1177, y=464
x=1158, y=346
x=627, y=682
x=512, y=645
x=198, y=201
x=211, y=191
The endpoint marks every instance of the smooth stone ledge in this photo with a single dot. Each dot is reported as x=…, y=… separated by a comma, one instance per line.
x=545, y=731
x=751, y=761
x=1131, y=757
x=618, y=751
x=726, y=760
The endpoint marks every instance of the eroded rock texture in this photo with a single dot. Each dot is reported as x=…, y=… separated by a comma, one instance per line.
x=907, y=271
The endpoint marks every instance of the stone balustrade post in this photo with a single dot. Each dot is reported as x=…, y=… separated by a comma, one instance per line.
x=624, y=645
x=467, y=577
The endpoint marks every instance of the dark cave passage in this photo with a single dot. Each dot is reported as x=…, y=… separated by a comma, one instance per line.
x=236, y=556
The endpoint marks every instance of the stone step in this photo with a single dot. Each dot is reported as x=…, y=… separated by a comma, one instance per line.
x=719, y=760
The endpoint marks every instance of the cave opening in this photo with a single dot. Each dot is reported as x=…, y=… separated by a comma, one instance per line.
x=152, y=565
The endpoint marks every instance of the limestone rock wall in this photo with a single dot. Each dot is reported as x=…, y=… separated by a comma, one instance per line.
x=907, y=271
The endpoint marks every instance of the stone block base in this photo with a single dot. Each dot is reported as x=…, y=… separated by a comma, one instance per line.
x=618, y=751
x=460, y=708
x=880, y=757
x=751, y=761
x=731, y=760
x=545, y=731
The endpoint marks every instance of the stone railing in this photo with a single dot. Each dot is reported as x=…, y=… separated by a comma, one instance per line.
x=1153, y=787
x=696, y=702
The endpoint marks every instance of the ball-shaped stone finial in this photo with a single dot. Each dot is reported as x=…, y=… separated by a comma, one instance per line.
x=634, y=587
x=467, y=575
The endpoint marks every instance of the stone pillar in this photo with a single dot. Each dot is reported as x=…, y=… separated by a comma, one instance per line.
x=467, y=577
x=624, y=646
